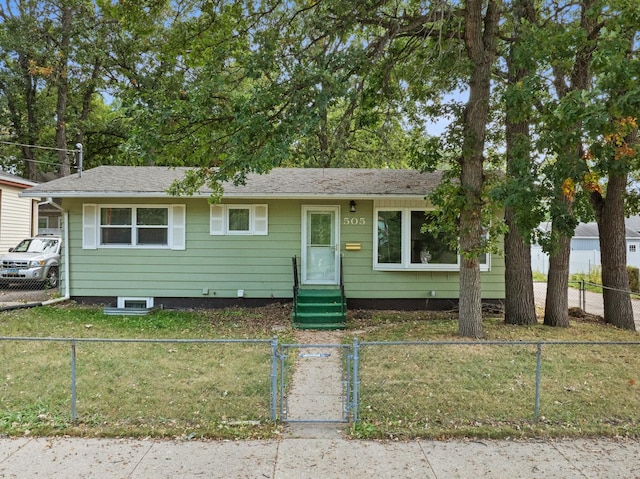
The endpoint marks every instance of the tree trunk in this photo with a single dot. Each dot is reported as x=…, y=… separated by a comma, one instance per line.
x=481, y=43
x=571, y=165
x=618, y=309
x=63, y=93
x=30, y=136
x=519, y=306
x=87, y=94
x=556, y=312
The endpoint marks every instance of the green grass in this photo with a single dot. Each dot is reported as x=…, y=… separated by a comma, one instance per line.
x=540, y=277
x=222, y=390
x=480, y=390
x=137, y=389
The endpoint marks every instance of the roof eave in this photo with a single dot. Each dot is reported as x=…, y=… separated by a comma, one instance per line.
x=282, y=196
x=16, y=184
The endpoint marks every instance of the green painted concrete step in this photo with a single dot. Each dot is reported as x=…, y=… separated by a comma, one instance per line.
x=305, y=298
x=318, y=292
x=319, y=326
x=319, y=307
x=319, y=317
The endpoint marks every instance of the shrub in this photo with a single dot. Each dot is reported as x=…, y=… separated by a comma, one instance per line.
x=634, y=278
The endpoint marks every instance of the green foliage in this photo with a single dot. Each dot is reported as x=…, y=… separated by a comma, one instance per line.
x=449, y=200
x=594, y=276
x=634, y=278
x=589, y=59
x=47, y=69
x=364, y=430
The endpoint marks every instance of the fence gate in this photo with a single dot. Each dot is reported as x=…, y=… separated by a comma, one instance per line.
x=315, y=382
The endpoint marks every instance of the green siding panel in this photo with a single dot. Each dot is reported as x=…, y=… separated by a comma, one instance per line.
x=259, y=265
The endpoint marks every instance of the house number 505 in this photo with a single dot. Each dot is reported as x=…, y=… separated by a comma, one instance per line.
x=354, y=221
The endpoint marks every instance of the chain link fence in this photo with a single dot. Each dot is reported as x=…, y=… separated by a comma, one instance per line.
x=587, y=297
x=15, y=295
x=592, y=301
x=203, y=388
x=30, y=272
x=154, y=387
x=427, y=388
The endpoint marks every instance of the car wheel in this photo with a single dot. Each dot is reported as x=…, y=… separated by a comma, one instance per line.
x=52, y=277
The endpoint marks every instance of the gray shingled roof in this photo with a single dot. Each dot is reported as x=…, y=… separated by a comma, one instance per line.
x=586, y=230
x=10, y=178
x=590, y=230
x=153, y=181
x=633, y=223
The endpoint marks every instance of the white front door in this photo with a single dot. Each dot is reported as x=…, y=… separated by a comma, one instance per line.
x=320, y=245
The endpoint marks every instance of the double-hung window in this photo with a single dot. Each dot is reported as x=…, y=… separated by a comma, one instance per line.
x=149, y=226
x=239, y=220
x=134, y=226
x=402, y=242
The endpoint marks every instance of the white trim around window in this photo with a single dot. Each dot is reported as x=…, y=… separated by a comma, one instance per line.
x=133, y=226
x=239, y=219
x=401, y=245
x=134, y=302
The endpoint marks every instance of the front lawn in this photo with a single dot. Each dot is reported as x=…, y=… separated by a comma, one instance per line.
x=185, y=388
x=196, y=380
x=450, y=387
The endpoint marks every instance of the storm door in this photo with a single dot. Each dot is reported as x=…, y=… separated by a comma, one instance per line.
x=320, y=245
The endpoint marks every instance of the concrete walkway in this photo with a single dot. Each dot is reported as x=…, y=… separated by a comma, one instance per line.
x=315, y=402
x=66, y=458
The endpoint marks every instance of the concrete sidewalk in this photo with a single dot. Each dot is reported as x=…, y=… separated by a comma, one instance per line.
x=317, y=458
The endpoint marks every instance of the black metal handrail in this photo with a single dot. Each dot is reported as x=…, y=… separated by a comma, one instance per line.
x=344, y=299
x=296, y=286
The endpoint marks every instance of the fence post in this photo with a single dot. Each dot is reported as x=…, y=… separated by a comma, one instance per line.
x=74, y=415
x=274, y=379
x=583, y=294
x=538, y=373
x=356, y=380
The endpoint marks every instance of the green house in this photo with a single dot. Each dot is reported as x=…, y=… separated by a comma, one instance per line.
x=292, y=231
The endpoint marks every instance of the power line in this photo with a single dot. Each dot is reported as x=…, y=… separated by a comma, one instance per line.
x=13, y=158
x=37, y=146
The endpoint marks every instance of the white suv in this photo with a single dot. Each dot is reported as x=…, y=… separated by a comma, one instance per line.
x=35, y=260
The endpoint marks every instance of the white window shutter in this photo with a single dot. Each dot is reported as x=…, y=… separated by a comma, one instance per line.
x=217, y=226
x=177, y=230
x=261, y=220
x=89, y=226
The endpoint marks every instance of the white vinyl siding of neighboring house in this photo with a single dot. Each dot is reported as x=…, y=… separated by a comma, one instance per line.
x=585, y=251
x=585, y=244
x=18, y=217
